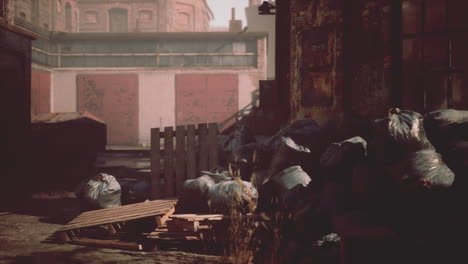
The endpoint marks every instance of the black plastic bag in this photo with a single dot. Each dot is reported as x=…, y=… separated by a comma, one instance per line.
x=345, y=153
x=406, y=155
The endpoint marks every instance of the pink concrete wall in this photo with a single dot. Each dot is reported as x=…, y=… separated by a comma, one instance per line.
x=207, y=98
x=40, y=92
x=114, y=99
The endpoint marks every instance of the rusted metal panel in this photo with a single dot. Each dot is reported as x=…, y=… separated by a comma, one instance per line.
x=412, y=91
x=371, y=50
x=40, y=92
x=412, y=16
x=316, y=38
x=459, y=92
x=206, y=98
x=114, y=99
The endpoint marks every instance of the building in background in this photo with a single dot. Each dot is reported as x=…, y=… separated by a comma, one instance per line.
x=113, y=15
x=140, y=64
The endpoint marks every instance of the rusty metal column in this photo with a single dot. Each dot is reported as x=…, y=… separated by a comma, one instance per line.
x=396, y=61
x=283, y=57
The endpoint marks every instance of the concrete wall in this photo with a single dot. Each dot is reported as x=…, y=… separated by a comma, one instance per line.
x=264, y=23
x=156, y=93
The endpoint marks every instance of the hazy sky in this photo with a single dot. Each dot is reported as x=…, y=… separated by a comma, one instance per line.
x=222, y=11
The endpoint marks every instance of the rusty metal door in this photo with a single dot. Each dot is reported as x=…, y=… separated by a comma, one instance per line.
x=114, y=99
x=207, y=98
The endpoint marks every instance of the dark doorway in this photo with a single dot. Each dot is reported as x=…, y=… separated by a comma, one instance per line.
x=118, y=20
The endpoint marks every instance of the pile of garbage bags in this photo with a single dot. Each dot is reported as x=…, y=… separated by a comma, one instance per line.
x=405, y=169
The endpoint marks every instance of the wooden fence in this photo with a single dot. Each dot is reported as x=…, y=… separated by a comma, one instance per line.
x=195, y=150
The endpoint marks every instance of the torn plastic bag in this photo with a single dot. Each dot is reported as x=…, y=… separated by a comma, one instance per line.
x=233, y=196
x=102, y=191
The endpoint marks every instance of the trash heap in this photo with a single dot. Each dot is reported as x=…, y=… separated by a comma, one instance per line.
x=316, y=190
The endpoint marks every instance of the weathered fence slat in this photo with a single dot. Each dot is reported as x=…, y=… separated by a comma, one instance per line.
x=213, y=145
x=187, y=164
x=155, y=164
x=191, y=161
x=203, y=147
x=180, y=159
x=169, y=185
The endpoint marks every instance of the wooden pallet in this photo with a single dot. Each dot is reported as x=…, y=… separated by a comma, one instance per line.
x=116, y=218
x=186, y=227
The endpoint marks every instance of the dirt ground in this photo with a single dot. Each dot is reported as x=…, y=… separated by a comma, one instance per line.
x=26, y=224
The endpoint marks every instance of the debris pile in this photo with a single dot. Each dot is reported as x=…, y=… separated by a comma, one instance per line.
x=310, y=192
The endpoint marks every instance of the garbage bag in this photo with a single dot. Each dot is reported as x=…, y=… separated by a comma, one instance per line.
x=291, y=177
x=407, y=155
x=233, y=196
x=242, y=162
x=288, y=154
x=194, y=198
x=421, y=170
x=134, y=191
x=239, y=137
x=304, y=132
x=403, y=129
x=218, y=175
x=343, y=127
x=446, y=127
x=345, y=153
x=102, y=191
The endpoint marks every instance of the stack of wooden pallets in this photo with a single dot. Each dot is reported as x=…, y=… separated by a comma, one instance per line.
x=112, y=226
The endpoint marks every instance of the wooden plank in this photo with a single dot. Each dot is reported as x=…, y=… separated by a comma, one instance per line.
x=213, y=145
x=117, y=213
x=161, y=220
x=195, y=217
x=112, y=220
x=203, y=147
x=169, y=184
x=186, y=225
x=122, y=213
x=107, y=243
x=183, y=238
x=155, y=164
x=127, y=208
x=161, y=134
x=180, y=159
x=191, y=161
x=62, y=236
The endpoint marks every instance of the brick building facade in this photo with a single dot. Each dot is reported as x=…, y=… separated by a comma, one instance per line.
x=114, y=15
x=138, y=64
